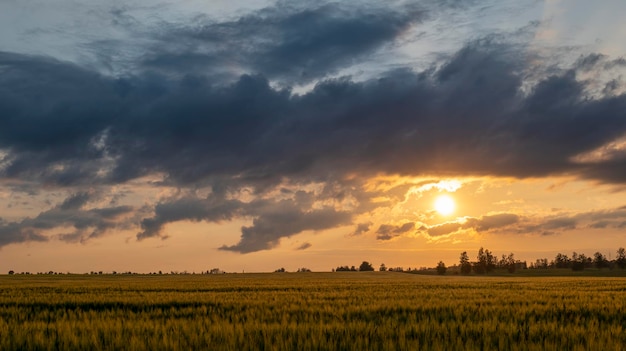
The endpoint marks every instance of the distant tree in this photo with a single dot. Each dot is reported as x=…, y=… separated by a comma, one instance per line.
x=11, y=272
x=600, y=261
x=620, y=260
x=485, y=263
x=579, y=261
x=303, y=270
x=480, y=266
x=353, y=269
x=466, y=266
x=441, y=268
x=366, y=267
x=280, y=270
x=561, y=261
x=216, y=271
x=502, y=262
x=541, y=263
x=509, y=263
x=491, y=261
x=382, y=267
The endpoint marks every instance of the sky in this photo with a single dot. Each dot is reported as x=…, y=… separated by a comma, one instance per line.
x=252, y=135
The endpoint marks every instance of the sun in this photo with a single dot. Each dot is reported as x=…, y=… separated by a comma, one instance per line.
x=444, y=204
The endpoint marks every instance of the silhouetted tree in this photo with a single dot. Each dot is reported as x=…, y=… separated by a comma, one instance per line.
x=509, y=263
x=466, y=266
x=541, y=263
x=11, y=272
x=620, y=260
x=561, y=261
x=600, y=261
x=280, y=270
x=491, y=260
x=485, y=263
x=382, y=267
x=366, y=267
x=579, y=261
x=441, y=268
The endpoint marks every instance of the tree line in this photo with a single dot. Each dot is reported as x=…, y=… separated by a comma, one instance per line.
x=487, y=262
x=579, y=262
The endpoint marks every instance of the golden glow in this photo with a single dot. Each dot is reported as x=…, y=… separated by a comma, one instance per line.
x=444, y=204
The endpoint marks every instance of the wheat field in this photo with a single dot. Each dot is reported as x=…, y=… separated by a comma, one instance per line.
x=311, y=311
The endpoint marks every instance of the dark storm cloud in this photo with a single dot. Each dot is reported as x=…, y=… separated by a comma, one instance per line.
x=86, y=223
x=44, y=103
x=292, y=40
x=466, y=117
x=50, y=112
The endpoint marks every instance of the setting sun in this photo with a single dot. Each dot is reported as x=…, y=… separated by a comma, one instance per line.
x=444, y=204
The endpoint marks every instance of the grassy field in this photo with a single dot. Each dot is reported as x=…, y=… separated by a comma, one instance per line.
x=311, y=311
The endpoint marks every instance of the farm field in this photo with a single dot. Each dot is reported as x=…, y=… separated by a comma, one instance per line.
x=311, y=311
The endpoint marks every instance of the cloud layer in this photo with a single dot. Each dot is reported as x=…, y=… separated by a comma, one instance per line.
x=213, y=109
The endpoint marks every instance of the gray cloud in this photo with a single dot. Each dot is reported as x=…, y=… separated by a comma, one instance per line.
x=304, y=246
x=86, y=223
x=292, y=41
x=75, y=201
x=362, y=228
x=604, y=219
x=442, y=229
x=489, y=222
x=481, y=224
x=284, y=221
x=212, y=209
x=390, y=231
x=548, y=225
x=13, y=233
x=272, y=219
